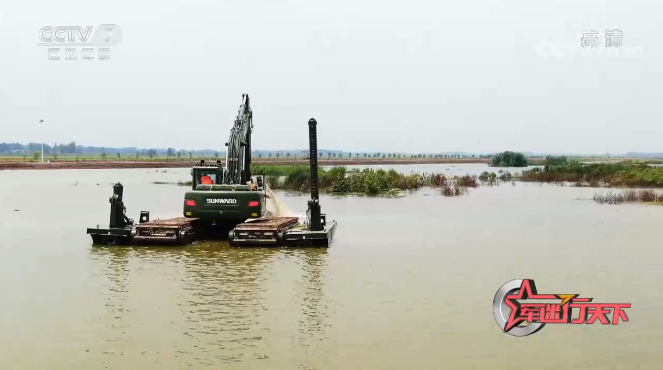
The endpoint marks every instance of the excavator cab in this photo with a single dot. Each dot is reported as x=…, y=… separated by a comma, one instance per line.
x=206, y=175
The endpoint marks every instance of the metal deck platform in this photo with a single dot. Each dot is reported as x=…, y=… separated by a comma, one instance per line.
x=279, y=232
x=174, y=231
x=309, y=238
x=111, y=235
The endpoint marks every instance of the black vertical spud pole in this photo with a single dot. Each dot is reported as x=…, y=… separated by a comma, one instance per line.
x=315, y=222
x=313, y=156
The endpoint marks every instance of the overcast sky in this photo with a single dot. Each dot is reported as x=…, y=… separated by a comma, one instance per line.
x=414, y=76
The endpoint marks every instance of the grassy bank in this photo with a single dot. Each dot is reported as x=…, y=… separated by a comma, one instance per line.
x=619, y=174
x=574, y=173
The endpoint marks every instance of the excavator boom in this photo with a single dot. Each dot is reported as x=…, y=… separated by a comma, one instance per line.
x=238, y=157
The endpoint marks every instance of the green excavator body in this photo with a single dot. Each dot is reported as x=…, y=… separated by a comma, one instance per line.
x=222, y=203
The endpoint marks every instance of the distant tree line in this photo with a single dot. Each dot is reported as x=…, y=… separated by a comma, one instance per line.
x=510, y=159
x=8, y=148
x=73, y=149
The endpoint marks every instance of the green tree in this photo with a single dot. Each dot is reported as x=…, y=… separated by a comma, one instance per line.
x=556, y=161
x=509, y=159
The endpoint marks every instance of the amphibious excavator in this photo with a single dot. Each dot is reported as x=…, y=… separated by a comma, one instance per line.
x=222, y=197
x=224, y=201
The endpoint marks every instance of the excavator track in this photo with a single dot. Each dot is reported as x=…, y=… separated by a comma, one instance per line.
x=179, y=231
x=263, y=231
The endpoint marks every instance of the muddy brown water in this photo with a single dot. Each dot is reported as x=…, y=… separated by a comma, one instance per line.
x=407, y=284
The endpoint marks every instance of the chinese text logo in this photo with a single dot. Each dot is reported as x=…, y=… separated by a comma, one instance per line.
x=511, y=314
x=104, y=36
x=589, y=46
x=613, y=38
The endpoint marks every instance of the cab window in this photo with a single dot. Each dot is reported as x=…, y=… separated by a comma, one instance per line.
x=205, y=177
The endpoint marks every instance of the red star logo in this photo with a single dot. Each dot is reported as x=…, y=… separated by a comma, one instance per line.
x=527, y=291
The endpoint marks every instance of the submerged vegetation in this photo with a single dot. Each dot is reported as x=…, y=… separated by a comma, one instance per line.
x=340, y=180
x=630, y=196
x=492, y=178
x=616, y=174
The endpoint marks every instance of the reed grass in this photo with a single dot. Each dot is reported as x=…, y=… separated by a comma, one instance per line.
x=619, y=174
x=629, y=196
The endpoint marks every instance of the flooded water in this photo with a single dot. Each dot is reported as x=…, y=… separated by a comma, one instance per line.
x=407, y=284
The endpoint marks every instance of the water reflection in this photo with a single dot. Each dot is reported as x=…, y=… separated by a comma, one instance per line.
x=224, y=302
x=114, y=264
x=313, y=306
x=236, y=304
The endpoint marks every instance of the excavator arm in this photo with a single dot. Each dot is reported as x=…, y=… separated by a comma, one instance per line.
x=238, y=157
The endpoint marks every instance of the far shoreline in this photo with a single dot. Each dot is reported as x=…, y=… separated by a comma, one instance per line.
x=72, y=164
x=100, y=164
